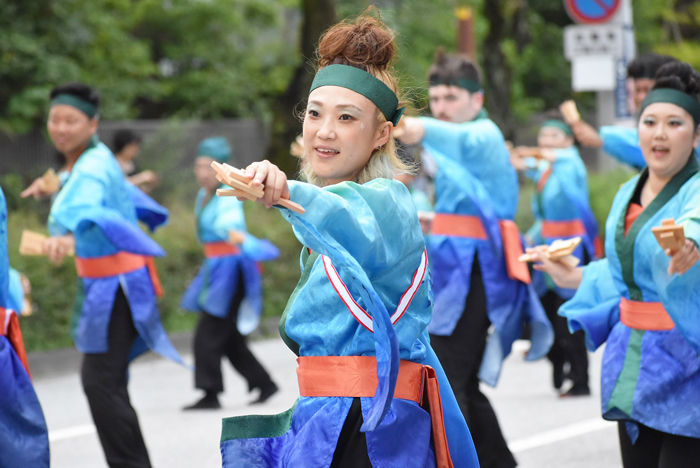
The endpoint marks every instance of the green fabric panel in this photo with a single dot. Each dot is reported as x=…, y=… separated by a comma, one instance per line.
x=77, y=307
x=257, y=426
x=622, y=396
x=309, y=260
x=624, y=245
x=202, y=297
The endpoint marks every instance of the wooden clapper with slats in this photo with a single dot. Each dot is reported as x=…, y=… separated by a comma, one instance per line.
x=560, y=251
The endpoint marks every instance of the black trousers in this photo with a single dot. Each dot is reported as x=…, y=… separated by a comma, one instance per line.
x=104, y=378
x=217, y=337
x=567, y=347
x=351, y=449
x=656, y=449
x=460, y=355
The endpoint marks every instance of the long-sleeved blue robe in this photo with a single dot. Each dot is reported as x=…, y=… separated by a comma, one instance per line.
x=97, y=205
x=215, y=285
x=371, y=235
x=475, y=178
x=24, y=439
x=562, y=196
x=650, y=377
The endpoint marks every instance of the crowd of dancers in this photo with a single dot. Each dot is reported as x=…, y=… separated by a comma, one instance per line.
x=407, y=300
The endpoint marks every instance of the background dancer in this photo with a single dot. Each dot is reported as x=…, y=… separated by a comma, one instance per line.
x=477, y=279
x=562, y=211
x=116, y=314
x=227, y=292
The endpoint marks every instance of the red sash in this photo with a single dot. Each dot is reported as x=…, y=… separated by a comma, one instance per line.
x=118, y=264
x=220, y=249
x=9, y=327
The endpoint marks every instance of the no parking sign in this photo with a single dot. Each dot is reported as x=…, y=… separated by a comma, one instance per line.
x=591, y=11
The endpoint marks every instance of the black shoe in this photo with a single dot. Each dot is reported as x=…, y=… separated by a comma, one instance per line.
x=576, y=390
x=265, y=393
x=210, y=401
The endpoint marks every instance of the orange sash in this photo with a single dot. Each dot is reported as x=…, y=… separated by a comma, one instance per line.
x=9, y=327
x=645, y=315
x=356, y=376
x=118, y=264
x=220, y=249
x=563, y=229
x=471, y=227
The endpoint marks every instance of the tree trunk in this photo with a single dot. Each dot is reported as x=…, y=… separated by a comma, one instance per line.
x=497, y=71
x=318, y=16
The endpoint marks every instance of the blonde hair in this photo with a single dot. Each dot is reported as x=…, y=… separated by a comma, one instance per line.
x=367, y=44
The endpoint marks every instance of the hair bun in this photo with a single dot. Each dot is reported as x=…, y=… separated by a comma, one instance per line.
x=680, y=76
x=364, y=43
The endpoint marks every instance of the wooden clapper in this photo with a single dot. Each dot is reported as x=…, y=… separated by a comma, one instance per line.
x=559, y=251
x=32, y=243
x=570, y=112
x=669, y=235
x=242, y=186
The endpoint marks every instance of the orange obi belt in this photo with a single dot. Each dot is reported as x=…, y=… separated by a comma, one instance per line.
x=562, y=229
x=645, y=315
x=220, y=249
x=356, y=376
x=456, y=225
x=118, y=264
x=9, y=327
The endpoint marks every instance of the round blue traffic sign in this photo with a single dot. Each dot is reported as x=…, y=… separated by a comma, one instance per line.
x=591, y=11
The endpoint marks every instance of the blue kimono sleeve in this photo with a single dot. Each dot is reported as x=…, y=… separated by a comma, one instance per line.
x=81, y=212
x=450, y=138
x=148, y=211
x=680, y=294
x=259, y=250
x=622, y=143
x=595, y=308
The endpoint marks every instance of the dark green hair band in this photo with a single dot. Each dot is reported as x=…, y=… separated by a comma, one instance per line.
x=673, y=96
x=465, y=83
x=362, y=83
x=74, y=101
x=560, y=125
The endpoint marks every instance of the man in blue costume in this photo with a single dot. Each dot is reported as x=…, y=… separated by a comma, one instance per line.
x=116, y=317
x=477, y=280
x=24, y=441
x=622, y=143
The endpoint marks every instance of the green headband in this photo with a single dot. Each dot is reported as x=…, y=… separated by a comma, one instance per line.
x=560, y=125
x=362, y=83
x=673, y=96
x=74, y=101
x=465, y=83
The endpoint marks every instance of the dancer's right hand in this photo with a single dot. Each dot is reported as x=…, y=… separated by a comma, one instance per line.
x=274, y=179
x=57, y=247
x=36, y=189
x=563, y=276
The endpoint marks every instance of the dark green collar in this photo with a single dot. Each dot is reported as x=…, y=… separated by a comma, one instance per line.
x=483, y=114
x=624, y=244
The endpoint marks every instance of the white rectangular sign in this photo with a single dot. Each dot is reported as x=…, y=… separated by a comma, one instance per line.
x=594, y=39
x=593, y=73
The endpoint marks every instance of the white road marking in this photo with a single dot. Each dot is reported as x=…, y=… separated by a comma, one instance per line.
x=71, y=432
x=561, y=433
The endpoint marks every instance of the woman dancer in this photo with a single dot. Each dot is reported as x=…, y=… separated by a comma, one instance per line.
x=642, y=300
x=363, y=255
x=228, y=290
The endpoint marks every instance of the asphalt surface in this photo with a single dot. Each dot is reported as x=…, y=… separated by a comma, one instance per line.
x=543, y=430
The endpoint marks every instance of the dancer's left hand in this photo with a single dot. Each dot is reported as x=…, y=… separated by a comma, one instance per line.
x=684, y=259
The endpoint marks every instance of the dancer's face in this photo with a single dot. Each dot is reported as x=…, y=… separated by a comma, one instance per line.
x=70, y=130
x=454, y=104
x=552, y=137
x=342, y=129
x=641, y=88
x=667, y=137
x=206, y=176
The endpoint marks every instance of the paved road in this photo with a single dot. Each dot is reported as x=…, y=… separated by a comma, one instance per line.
x=542, y=430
